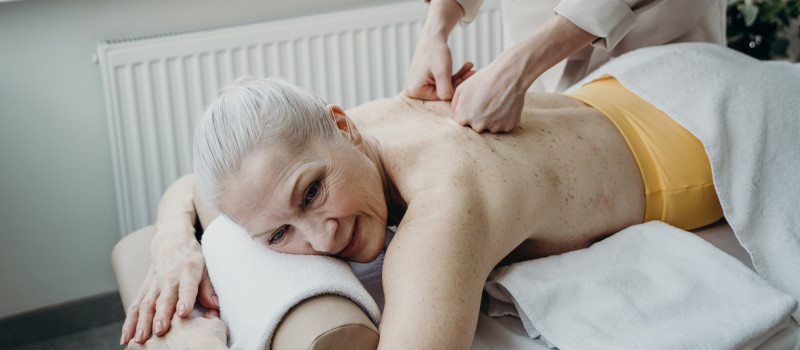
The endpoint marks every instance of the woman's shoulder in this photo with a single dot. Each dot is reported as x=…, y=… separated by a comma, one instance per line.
x=398, y=107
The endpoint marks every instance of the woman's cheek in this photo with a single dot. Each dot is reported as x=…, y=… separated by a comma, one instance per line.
x=339, y=199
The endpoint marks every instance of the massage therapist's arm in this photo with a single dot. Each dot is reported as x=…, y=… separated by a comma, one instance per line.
x=177, y=275
x=492, y=98
x=433, y=276
x=430, y=76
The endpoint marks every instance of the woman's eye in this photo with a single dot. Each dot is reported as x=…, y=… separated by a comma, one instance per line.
x=276, y=237
x=312, y=192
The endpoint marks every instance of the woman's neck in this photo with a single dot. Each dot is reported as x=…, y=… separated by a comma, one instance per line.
x=395, y=204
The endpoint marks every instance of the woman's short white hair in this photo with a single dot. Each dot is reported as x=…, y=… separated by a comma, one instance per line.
x=252, y=113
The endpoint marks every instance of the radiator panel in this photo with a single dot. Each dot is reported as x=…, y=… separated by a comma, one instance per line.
x=156, y=88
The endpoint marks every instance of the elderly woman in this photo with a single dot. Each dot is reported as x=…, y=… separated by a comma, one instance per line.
x=305, y=177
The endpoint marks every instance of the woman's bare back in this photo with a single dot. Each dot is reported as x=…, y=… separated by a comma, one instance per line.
x=563, y=179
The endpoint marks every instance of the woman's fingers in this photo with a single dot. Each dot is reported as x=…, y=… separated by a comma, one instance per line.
x=190, y=276
x=147, y=309
x=165, y=307
x=132, y=313
x=206, y=294
x=129, y=326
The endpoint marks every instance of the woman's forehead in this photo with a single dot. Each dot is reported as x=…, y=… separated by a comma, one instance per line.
x=270, y=171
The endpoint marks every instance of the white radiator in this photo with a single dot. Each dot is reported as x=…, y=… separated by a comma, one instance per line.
x=155, y=88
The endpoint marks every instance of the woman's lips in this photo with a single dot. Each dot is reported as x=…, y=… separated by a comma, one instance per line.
x=355, y=239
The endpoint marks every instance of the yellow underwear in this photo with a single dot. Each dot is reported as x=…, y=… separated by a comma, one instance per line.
x=675, y=170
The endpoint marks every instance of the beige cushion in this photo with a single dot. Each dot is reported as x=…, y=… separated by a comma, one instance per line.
x=326, y=322
x=322, y=322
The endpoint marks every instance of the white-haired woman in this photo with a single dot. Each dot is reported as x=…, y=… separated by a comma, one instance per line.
x=304, y=177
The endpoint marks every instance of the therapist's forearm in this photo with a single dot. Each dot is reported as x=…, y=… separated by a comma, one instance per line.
x=443, y=15
x=556, y=40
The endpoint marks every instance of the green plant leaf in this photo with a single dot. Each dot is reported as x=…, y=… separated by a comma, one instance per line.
x=732, y=2
x=750, y=13
x=793, y=8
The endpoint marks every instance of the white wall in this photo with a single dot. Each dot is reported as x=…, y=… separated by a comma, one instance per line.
x=58, y=219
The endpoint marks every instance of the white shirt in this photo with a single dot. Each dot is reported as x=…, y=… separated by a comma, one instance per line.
x=620, y=25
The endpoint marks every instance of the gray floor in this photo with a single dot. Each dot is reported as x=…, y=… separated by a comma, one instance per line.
x=100, y=338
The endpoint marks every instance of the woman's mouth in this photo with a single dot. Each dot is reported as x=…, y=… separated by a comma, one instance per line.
x=355, y=240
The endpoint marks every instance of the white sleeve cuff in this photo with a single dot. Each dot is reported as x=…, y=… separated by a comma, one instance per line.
x=609, y=20
x=471, y=8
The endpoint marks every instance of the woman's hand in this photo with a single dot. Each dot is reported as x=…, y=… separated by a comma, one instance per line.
x=177, y=277
x=492, y=99
x=207, y=332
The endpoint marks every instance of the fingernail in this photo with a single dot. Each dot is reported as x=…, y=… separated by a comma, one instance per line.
x=216, y=300
x=139, y=336
x=181, y=309
x=159, y=325
x=123, y=338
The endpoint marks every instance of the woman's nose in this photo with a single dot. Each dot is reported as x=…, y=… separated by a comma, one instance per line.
x=322, y=235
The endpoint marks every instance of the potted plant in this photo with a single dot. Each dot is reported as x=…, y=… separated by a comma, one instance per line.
x=764, y=29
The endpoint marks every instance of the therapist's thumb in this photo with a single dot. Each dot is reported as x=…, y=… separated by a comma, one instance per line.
x=444, y=86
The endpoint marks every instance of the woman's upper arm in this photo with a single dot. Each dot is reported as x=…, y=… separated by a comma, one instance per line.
x=433, y=276
x=206, y=213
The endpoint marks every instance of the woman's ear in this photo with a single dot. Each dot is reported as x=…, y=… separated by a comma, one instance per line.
x=346, y=126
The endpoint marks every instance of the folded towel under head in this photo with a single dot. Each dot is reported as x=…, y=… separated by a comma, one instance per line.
x=650, y=286
x=257, y=286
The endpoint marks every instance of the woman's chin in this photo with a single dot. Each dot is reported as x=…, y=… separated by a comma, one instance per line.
x=367, y=259
x=371, y=250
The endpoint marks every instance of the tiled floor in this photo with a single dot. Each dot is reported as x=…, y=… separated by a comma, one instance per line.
x=101, y=338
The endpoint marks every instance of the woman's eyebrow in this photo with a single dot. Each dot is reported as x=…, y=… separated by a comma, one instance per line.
x=299, y=176
x=302, y=175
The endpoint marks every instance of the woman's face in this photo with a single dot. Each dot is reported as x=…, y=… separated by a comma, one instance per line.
x=326, y=200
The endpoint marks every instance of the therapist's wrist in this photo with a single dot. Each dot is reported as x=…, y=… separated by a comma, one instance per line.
x=443, y=15
x=524, y=60
x=555, y=41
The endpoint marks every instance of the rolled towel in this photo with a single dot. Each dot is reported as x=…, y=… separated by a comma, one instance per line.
x=256, y=286
x=650, y=286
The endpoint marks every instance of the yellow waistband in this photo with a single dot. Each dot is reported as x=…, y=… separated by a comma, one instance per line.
x=678, y=184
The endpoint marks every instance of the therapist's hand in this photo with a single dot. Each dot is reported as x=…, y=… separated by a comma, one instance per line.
x=430, y=75
x=492, y=99
x=176, y=279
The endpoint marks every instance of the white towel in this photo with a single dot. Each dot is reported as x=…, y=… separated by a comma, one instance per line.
x=650, y=286
x=747, y=115
x=257, y=286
